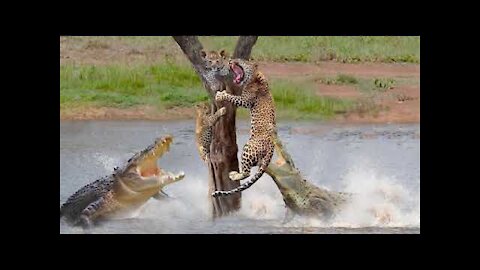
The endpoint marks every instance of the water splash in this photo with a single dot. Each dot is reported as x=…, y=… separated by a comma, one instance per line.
x=108, y=161
x=379, y=200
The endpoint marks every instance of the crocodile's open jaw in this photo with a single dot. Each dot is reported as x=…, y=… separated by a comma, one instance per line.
x=146, y=165
x=238, y=72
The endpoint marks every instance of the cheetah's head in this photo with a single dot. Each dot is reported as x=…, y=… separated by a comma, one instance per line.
x=214, y=60
x=243, y=71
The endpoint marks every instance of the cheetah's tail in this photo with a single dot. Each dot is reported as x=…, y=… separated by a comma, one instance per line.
x=245, y=185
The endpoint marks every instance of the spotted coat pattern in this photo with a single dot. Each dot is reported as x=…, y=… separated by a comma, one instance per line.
x=256, y=97
x=204, y=126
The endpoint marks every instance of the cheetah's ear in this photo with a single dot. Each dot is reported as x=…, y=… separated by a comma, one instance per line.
x=203, y=53
x=223, y=54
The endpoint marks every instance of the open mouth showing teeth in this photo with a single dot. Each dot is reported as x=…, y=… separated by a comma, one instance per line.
x=238, y=71
x=148, y=167
x=149, y=171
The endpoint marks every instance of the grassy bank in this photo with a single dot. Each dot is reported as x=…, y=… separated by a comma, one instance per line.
x=349, y=49
x=163, y=86
x=169, y=85
x=152, y=72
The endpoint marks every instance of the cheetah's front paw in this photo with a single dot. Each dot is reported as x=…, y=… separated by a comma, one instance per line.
x=222, y=111
x=219, y=96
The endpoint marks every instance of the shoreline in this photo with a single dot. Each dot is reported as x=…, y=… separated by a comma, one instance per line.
x=398, y=104
x=180, y=114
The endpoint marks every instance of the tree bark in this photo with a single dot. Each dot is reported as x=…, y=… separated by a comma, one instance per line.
x=191, y=47
x=224, y=149
x=244, y=47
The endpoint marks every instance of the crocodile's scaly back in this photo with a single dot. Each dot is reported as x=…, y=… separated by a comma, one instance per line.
x=301, y=196
x=89, y=193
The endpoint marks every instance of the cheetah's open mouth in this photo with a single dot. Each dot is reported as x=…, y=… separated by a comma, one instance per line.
x=238, y=71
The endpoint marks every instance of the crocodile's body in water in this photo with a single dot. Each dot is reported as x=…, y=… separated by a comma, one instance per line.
x=128, y=188
x=300, y=196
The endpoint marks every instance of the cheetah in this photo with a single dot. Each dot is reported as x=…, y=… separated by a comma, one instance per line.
x=216, y=68
x=256, y=97
x=204, y=125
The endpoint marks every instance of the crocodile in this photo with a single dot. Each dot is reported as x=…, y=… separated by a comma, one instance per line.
x=300, y=196
x=126, y=189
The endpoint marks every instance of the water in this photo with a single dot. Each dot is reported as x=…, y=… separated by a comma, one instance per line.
x=380, y=163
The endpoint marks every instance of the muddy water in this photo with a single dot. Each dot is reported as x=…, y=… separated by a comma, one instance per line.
x=380, y=163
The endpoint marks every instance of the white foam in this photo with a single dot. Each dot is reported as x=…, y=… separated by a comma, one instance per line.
x=380, y=200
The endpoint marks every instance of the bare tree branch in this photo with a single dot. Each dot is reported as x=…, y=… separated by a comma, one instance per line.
x=244, y=47
x=191, y=47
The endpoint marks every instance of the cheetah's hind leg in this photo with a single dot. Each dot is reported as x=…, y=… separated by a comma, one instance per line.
x=249, y=158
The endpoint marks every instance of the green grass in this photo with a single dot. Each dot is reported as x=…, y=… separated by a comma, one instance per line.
x=376, y=84
x=346, y=79
x=298, y=100
x=169, y=85
x=384, y=83
x=350, y=49
x=367, y=85
x=166, y=85
x=340, y=79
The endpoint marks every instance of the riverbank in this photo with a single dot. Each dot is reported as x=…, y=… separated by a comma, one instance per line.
x=148, y=79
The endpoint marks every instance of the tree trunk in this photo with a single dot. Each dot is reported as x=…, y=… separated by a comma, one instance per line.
x=223, y=151
x=244, y=47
